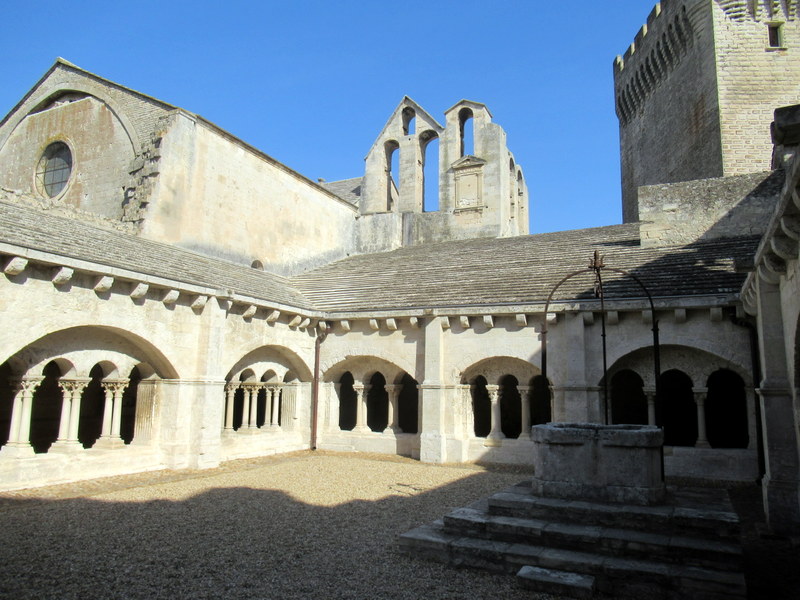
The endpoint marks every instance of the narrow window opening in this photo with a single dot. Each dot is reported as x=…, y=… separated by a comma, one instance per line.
x=467, y=131
x=774, y=35
x=392, y=173
x=409, y=121
x=430, y=173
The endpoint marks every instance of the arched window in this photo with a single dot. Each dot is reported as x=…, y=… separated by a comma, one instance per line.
x=392, y=149
x=481, y=407
x=54, y=169
x=726, y=410
x=409, y=121
x=408, y=405
x=540, y=401
x=430, y=171
x=347, y=403
x=377, y=403
x=628, y=401
x=467, y=131
x=677, y=409
x=510, y=407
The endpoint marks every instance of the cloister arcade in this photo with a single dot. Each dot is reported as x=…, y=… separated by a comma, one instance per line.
x=75, y=389
x=702, y=400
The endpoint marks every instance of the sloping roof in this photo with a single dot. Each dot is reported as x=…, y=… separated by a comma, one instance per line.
x=38, y=230
x=523, y=269
x=348, y=190
x=477, y=272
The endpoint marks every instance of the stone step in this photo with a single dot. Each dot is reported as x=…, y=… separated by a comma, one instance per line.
x=551, y=581
x=688, y=518
x=702, y=552
x=614, y=576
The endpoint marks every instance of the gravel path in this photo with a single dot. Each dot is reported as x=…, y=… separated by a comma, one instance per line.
x=303, y=525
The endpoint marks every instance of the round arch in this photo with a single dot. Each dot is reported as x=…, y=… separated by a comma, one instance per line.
x=363, y=368
x=493, y=369
x=278, y=359
x=86, y=345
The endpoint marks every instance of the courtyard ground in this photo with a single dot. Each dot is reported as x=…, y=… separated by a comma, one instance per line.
x=302, y=525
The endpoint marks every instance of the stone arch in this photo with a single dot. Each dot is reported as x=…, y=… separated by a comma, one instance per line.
x=377, y=403
x=347, y=402
x=44, y=96
x=390, y=148
x=362, y=368
x=429, y=143
x=496, y=367
x=408, y=404
x=466, y=133
x=409, y=121
x=696, y=362
x=279, y=359
x=481, y=407
x=510, y=406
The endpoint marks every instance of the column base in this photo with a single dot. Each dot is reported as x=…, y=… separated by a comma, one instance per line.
x=494, y=439
x=17, y=450
x=702, y=445
x=66, y=446
x=109, y=443
x=392, y=431
x=362, y=429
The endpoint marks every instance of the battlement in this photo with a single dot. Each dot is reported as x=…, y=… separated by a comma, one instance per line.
x=656, y=50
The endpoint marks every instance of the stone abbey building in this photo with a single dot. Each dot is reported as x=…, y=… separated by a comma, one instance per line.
x=173, y=297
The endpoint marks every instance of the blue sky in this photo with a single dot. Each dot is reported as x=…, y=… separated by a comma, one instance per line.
x=311, y=83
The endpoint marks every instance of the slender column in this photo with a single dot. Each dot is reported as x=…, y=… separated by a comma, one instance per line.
x=230, y=393
x=361, y=391
x=19, y=433
x=108, y=409
x=335, y=401
x=246, y=396
x=66, y=405
x=650, y=394
x=75, y=409
x=252, y=422
x=392, y=425
x=470, y=401
x=496, y=433
x=116, y=418
x=525, y=401
x=276, y=398
x=700, y=401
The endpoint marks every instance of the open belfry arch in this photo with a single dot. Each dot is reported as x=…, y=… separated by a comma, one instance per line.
x=147, y=325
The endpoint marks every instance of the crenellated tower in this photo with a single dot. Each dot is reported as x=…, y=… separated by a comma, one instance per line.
x=695, y=90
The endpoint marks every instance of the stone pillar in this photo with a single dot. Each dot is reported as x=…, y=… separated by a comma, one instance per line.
x=781, y=483
x=147, y=411
x=276, y=399
x=361, y=391
x=112, y=413
x=19, y=433
x=334, y=404
x=577, y=404
x=432, y=438
x=252, y=422
x=525, y=401
x=496, y=433
x=650, y=394
x=70, y=412
x=230, y=395
x=700, y=401
x=247, y=397
x=392, y=426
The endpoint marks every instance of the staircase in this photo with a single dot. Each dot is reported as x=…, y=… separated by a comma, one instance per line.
x=686, y=548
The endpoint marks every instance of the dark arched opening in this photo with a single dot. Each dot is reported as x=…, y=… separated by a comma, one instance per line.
x=347, y=403
x=540, y=401
x=466, y=129
x=6, y=401
x=510, y=407
x=46, y=409
x=628, y=400
x=408, y=405
x=127, y=425
x=481, y=407
x=377, y=403
x=677, y=410
x=726, y=410
x=93, y=401
x=238, y=408
x=430, y=171
x=392, y=150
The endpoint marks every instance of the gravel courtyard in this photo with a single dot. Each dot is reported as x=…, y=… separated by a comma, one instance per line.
x=303, y=525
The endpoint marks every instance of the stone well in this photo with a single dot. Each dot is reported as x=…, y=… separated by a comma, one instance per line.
x=607, y=463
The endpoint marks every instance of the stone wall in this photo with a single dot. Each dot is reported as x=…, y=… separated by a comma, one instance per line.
x=681, y=213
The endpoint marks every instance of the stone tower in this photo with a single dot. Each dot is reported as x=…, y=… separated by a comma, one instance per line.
x=696, y=89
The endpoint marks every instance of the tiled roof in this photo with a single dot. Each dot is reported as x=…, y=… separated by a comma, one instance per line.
x=348, y=190
x=523, y=269
x=477, y=272
x=38, y=230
